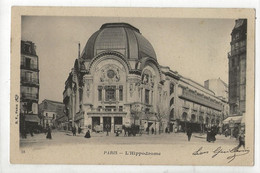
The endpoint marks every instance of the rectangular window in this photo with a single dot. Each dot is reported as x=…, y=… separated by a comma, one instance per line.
x=121, y=93
x=27, y=48
x=110, y=93
x=110, y=108
x=120, y=108
x=99, y=93
x=147, y=96
x=99, y=108
x=233, y=62
x=27, y=62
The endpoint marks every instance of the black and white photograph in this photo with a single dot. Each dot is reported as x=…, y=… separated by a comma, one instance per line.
x=127, y=88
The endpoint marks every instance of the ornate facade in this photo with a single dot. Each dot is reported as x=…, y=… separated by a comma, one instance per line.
x=117, y=81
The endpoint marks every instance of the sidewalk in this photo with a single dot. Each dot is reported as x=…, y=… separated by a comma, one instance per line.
x=218, y=137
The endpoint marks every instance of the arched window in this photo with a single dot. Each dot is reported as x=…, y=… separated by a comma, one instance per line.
x=171, y=88
x=172, y=114
x=193, y=118
x=184, y=116
x=172, y=101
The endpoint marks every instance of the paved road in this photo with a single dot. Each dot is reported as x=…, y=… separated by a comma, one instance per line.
x=58, y=138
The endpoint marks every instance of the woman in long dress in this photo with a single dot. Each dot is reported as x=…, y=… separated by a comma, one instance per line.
x=87, y=134
x=49, y=133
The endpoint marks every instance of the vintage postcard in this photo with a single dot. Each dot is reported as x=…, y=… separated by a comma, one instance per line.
x=132, y=86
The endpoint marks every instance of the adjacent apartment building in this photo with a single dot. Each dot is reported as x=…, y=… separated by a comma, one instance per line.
x=29, y=86
x=237, y=68
x=51, y=114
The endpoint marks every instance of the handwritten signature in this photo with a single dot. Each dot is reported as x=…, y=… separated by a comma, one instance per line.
x=218, y=151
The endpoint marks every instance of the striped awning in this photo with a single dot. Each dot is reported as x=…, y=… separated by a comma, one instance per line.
x=234, y=119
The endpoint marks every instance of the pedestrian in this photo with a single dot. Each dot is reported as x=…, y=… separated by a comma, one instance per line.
x=87, y=134
x=31, y=131
x=117, y=132
x=79, y=130
x=147, y=130
x=241, y=139
x=213, y=133
x=152, y=130
x=209, y=135
x=74, y=131
x=226, y=132
x=49, y=133
x=107, y=128
x=189, y=133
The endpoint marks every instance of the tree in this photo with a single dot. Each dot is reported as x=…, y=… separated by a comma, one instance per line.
x=162, y=113
x=136, y=112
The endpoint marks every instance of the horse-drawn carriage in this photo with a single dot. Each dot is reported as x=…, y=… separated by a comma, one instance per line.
x=132, y=130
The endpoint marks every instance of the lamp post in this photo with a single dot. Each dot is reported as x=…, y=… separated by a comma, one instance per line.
x=231, y=125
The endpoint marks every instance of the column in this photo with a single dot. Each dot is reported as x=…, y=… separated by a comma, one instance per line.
x=101, y=122
x=103, y=96
x=73, y=108
x=112, y=124
x=117, y=97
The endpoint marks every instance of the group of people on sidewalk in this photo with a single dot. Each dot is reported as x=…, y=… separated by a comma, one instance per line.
x=212, y=132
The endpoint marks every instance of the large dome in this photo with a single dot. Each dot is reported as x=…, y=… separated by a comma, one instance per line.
x=119, y=37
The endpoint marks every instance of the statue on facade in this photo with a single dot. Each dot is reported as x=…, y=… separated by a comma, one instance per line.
x=117, y=75
x=103, y=75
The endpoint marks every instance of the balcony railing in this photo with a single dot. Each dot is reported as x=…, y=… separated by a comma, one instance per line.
x=201, y=100
x=29, y=96
x=31, y=66
x=107, y=110
x=30, y=80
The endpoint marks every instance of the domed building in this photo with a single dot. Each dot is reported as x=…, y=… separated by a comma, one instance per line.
x=116, y=81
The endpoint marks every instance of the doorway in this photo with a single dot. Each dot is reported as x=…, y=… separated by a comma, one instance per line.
x=107, y=124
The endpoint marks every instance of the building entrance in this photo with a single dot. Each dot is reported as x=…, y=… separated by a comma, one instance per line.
x=107, y=124
x=118, y=124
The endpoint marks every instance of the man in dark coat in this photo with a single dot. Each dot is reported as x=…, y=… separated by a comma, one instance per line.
x=152, y=130
x=49, y=133
x=74, y=131
x=189, y=133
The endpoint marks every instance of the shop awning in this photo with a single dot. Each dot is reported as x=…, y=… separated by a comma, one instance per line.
x=235, y=119
x=32, y=118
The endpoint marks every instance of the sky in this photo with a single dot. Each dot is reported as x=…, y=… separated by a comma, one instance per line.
x=195, y=48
